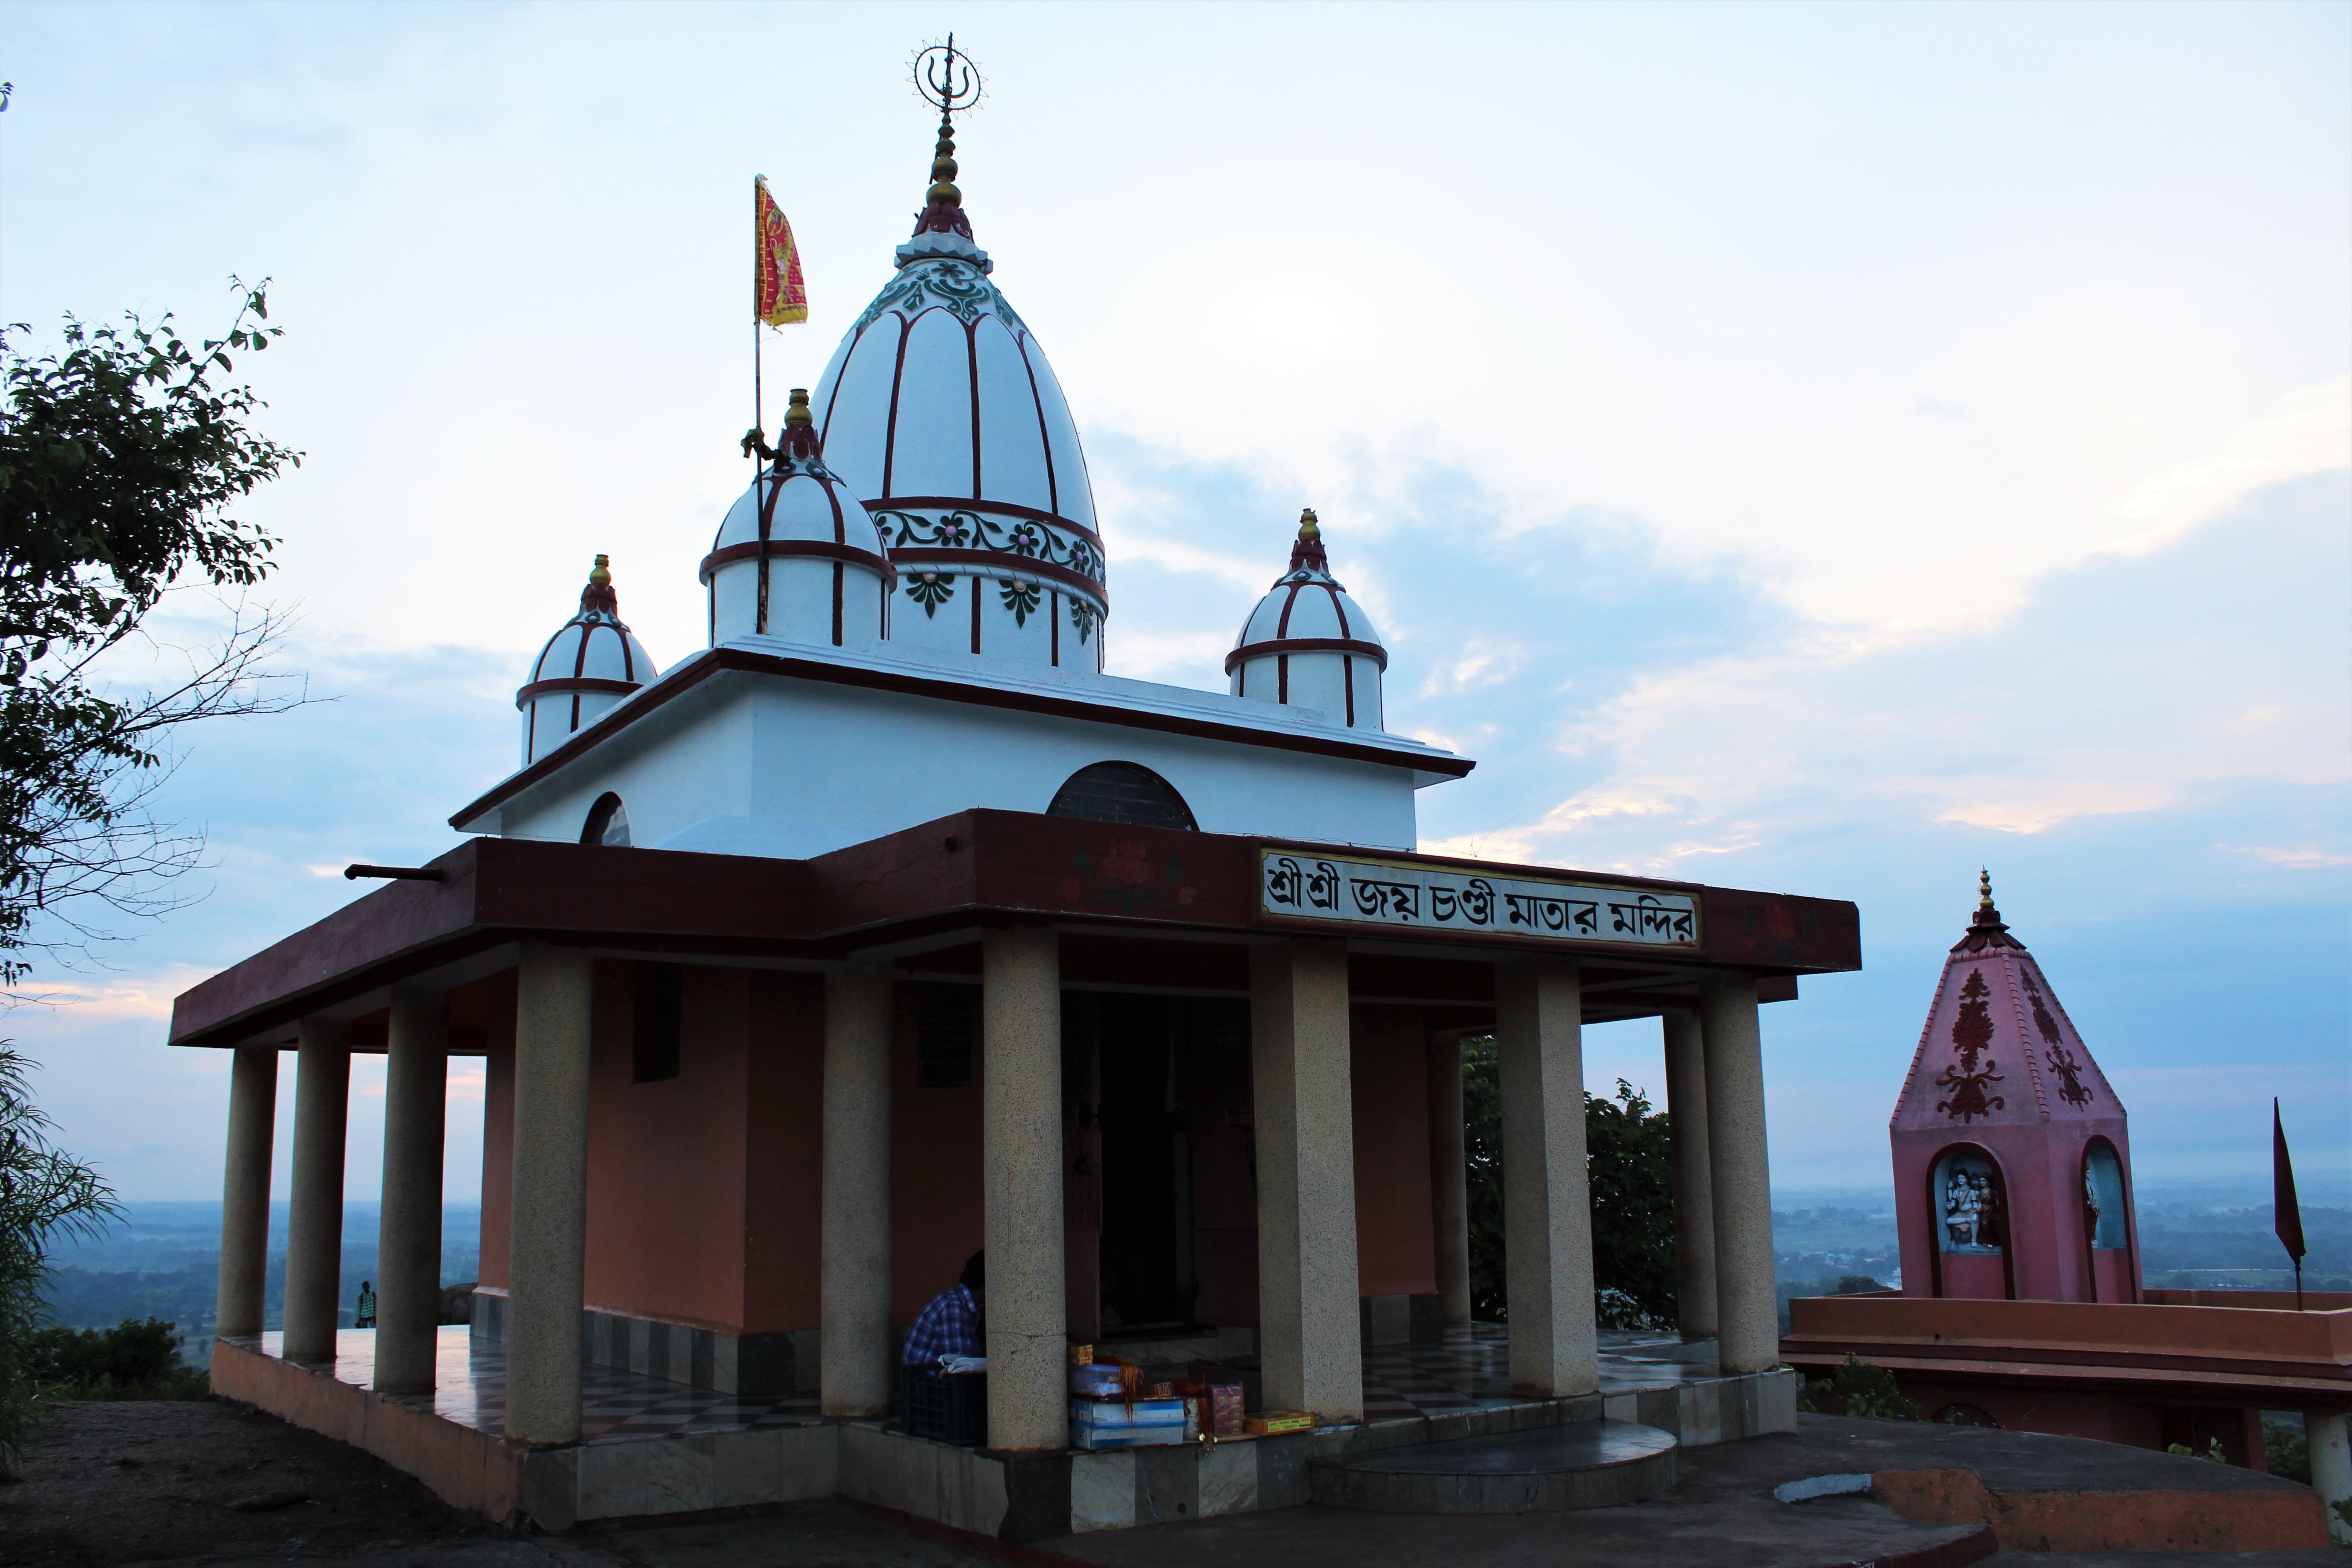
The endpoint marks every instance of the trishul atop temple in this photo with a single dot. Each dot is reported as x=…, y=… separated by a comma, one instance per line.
x=2013, y=1162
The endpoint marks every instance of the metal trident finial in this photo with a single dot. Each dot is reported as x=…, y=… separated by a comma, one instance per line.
x=947, y=78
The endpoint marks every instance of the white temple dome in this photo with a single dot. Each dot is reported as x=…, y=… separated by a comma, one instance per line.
x=797, y=555
x=587, y=667
x=1309, y=643
x=939, y=411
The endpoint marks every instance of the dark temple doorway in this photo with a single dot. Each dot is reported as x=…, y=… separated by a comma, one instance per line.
x=1147, y=1180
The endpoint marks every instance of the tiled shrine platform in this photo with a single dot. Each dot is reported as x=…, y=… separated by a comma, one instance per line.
x=655, y=1446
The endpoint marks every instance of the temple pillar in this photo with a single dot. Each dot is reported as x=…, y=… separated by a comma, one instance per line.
x=245, y=1192
x=1449, y=1181
x=1021, y=1188
x=1747, y=1313
x=1547, y=1197
x=2331, y=1471
x=408, y=1265
x=314, y=1223
x=547, y=1242
x=1694, y=1196
x=854, y=1361
x=1309, y=1329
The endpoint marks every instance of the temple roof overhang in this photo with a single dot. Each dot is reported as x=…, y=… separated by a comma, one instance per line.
x=1099, y=698
x=1139, y=908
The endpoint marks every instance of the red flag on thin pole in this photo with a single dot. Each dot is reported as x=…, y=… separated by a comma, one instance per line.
x=2286, y=1214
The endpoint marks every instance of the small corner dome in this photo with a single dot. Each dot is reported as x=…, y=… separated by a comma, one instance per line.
x=1309, y=645
x=798, y=556
x=588, y=666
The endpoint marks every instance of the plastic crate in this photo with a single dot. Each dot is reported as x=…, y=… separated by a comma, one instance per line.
x=951, y=1408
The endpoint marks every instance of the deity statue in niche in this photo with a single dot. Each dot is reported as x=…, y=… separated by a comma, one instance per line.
x=2102, y=1198
x=1968, y=1201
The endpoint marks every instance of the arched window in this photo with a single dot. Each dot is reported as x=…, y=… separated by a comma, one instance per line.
x=2102, y=1198
x=608, y=822
x=1968, y=1205
x=1124, y=793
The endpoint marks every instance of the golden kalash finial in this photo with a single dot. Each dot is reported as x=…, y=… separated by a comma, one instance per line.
x=1984, y=887
x=1309, y=531
x=601, y=577
x=797, y=416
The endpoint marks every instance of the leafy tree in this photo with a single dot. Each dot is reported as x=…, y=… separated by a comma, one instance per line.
x=1627, y=1146
x=1861, y=1388
x=120, y=460
x=44, y=1194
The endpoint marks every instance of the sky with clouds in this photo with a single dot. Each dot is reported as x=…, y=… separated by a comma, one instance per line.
x=1823, y=447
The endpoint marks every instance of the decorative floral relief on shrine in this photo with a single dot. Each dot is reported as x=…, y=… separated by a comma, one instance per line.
x=976, y=531
x=2060, y=1059
x=1021, y=598
x=1971, y=1036
x=1082, y=619
x=956, y=287
x=930, y=589
x=1123, y=876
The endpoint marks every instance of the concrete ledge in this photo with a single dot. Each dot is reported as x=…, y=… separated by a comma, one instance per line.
x=463, y=1468
x=2279, y=1520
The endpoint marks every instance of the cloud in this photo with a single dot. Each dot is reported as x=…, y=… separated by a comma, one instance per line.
x=2304, y=857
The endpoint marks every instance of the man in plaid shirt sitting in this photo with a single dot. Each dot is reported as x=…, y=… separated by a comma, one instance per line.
x=951, y=1325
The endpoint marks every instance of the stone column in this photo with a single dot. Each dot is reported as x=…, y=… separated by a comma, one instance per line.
x=855, y=1371
x=1547, y=1197
x=547, y=1248
x=1021, y=1188
x=245, y=1192
x=1310, y=1339
x=1748, y=1315
x=1694, y=1197
x=2331, y=1471
x=314, y=1221
x=1449, y=1189
x=408, y=1265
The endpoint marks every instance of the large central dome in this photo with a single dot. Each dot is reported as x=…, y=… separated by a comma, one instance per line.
x=939, y=411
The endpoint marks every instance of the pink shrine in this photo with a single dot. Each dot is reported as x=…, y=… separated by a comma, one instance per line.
x=2013, y=1160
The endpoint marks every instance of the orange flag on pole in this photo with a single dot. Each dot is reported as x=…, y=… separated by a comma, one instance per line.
x=779, y=296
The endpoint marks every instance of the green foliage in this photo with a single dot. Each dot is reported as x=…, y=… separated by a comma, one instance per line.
x=1859, y=1388
x=45, y=1194
x=2212, y=1454
x=1626, y=1161
x=133, y=1360
x=2286, y=1451
x=1856, y=1285
x=119, y=459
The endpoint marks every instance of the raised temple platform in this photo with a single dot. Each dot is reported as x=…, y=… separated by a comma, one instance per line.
x=651, y=1447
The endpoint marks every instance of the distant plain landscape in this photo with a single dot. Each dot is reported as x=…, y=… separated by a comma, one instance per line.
x=163, y=1259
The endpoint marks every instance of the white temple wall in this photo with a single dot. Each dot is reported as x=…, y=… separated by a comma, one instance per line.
x=795, y=768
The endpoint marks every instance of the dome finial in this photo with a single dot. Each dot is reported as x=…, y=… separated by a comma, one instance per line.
x=598, y=595
x=797, y=416
x=1984, y=887
x=1306, y=554
x=945, y=76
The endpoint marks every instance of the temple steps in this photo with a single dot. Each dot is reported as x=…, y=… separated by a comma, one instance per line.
x=1586, y=1464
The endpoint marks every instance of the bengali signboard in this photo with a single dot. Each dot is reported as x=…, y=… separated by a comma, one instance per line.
x=1438, y=898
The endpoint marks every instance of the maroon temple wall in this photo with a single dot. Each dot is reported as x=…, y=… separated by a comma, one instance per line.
x=704, y=1189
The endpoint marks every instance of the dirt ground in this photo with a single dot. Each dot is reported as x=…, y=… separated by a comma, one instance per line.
x=114, y=1483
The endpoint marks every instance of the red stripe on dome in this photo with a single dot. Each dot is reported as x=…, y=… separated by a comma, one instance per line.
x=1045, y=436
x=784, y=547
x=972, y=367
x=999, y=564
x=1340, y=608
x=576, y=685
x=1282, y=647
